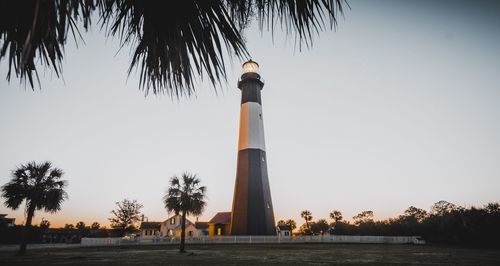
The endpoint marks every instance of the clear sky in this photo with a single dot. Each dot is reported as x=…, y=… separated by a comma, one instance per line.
x=400, y=106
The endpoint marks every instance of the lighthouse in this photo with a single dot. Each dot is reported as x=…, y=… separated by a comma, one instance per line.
x=252, y=212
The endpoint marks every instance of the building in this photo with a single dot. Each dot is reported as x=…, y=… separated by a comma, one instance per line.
x=252, y=212
x=150, y=229
x=220, y=224
x=202, y=227
x=7, y=222
x=284, y=230
x=171, y=227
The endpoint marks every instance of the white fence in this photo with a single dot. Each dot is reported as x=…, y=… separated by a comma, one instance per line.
x=117, y=241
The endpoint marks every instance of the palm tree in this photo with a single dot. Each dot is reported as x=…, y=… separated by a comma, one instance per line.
x=172, y=44
x=336, y=216
x=187, y=197
x=39, y=186
x=307, y=216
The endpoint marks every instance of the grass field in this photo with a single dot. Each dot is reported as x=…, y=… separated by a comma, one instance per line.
x=292, y=254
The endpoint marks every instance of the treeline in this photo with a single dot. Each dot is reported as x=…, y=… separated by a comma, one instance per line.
x=44, y=234
x=125, y=219
x=445, y=223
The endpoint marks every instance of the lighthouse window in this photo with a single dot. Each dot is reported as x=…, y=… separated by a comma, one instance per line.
x=268, y=205
x=263, y=159
x=260, y=116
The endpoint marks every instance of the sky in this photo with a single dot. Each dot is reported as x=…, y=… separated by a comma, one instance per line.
x=398, y=106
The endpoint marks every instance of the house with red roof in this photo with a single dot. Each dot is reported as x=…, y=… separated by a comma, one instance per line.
x=220, y=224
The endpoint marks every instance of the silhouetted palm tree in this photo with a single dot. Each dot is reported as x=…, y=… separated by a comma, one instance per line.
x=187, y=197
x=39, y=186
x=307, y=216
x=336, y=216
x=172, y=42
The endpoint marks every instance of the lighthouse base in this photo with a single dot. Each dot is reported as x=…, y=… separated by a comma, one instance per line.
x=252, y=212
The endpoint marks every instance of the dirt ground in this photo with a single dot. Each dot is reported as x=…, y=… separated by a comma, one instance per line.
x=291, y=254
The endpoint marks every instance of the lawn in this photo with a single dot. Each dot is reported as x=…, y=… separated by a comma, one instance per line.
x=292, y=254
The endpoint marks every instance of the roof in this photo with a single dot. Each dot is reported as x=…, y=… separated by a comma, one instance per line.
x=285, y=227
x=150, y=225
x=201, y=225
x=221, y=218
x=178, y=216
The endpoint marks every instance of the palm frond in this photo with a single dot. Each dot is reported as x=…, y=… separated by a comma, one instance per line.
x=35, y=32
x=173, y=44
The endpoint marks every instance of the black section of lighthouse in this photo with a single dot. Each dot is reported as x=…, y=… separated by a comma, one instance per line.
x=252, y=212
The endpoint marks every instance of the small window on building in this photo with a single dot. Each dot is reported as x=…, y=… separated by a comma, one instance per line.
x=260, y=116
x=263, y=159
x=268, y=205
x=287, y=233
x=190, y=233
x=172, y=221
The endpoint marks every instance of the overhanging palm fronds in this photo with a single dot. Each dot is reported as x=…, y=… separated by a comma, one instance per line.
x=35, y=31
x=174, y=43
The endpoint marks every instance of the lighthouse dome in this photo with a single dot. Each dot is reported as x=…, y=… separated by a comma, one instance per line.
x=250, y=66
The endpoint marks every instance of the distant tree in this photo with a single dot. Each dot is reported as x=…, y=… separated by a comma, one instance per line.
x=304, y=230
x=288, y=222
x=307, y=216
x=69, y=226
x=39, y=186
x=336, y=216
x=44, y=224
x=363, y=217
x=416, y=213
x=320, y=227
x=95, y=226
x=80, y=225
x=126, y=215
x=185, y=196
x=292, y=224
x=443, y=207
x=492, y=208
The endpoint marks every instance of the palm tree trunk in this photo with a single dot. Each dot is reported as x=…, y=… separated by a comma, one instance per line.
x=26, y=229
x=183, y=232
